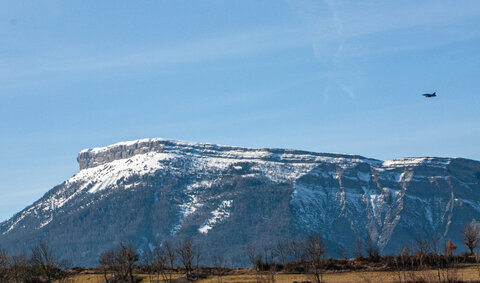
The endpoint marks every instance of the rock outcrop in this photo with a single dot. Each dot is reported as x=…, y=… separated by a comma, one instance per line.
x=152, y=190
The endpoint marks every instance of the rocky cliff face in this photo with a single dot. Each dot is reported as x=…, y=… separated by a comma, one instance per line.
x=153, y=190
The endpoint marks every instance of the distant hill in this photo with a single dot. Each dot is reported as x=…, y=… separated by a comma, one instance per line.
x=151, y=190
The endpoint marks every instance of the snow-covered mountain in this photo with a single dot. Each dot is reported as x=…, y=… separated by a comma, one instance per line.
x=151, y=190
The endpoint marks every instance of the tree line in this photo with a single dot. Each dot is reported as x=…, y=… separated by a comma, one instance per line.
x=413, y=263
x=307, y=256
x=161, y=262
x=165, y=261
x=40, y=265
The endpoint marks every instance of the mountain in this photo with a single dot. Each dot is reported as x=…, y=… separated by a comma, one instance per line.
x=151, y=190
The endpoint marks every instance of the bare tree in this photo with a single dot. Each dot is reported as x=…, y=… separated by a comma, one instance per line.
x=470, y=236
x=267, y=253
x=281, y=251
x=198, y=253
x=44, y=257
x=423, y=249
x=4, y=265
x=424, y=246
x=219, y=265
x=148, y=259
x=435, y=248
x=269, y=265
x=186, y=254
x=402, y=264
x=19, y=268
x=252, y=254
x=107, y=262
x=156, y=261
x=315, y=251
x=126, y=258
x=297, y=250
x=160, y=263
x=171, y=254
x=120, y=262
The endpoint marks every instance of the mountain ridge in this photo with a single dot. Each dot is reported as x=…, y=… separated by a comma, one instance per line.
x=152, y=190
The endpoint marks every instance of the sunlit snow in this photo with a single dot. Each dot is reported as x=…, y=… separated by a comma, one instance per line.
x=218, y=215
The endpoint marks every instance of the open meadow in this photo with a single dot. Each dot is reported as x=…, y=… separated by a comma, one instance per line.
x=468, y=274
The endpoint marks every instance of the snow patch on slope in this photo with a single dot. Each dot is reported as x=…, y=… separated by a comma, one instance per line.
x=218, y=215
x=193, y=203
x=106, y=175
x=416, y=161
x=203, y=160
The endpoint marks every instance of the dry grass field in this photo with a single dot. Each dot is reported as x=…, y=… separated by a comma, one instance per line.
x=464, y=274
x=98, y=278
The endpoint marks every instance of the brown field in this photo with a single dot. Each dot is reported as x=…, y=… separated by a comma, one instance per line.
x=98, y=278
x=464, y=274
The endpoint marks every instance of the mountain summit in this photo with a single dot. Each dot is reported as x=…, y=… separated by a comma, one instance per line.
x=151, y=190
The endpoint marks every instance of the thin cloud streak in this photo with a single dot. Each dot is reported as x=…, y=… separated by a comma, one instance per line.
x=342, y=30
x=353, y=19
x=223, y=47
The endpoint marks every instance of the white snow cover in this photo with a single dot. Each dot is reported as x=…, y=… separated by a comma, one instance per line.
x=207, y=159
x=108, y=174
x=221, y=213
x=193, y=203
x=129, y=143
x=415, y=161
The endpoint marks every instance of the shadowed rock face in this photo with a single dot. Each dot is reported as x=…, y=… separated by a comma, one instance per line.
x=95, y=157
x=153, y=190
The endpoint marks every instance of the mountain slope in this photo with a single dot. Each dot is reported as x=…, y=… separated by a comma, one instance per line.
x=152, y=190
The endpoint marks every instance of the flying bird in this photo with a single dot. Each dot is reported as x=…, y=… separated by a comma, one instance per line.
x=429, y=94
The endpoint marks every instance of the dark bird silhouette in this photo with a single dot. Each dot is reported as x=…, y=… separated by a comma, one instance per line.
x=429, y=94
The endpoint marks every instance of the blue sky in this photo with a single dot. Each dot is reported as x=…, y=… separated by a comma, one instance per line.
x=327, y=76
